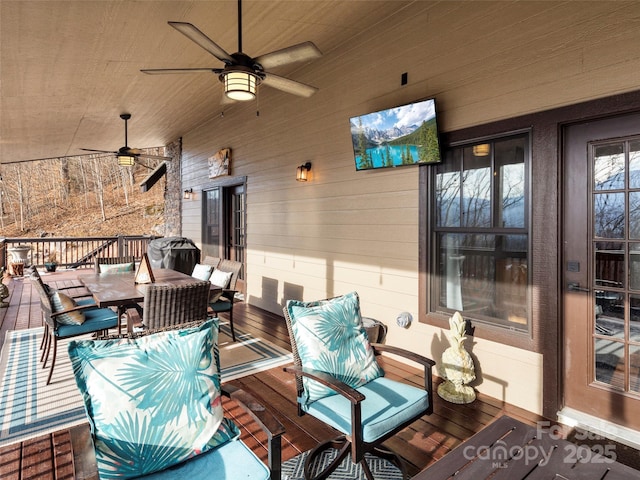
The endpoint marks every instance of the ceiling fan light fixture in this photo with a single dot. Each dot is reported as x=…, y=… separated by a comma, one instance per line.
x=240, y=85
x=126, y=160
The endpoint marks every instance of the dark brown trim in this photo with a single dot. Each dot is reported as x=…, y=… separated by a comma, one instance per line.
x=153, y=177
x=545, y=254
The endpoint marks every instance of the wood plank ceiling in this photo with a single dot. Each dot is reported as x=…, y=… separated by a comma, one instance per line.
x=68, y=69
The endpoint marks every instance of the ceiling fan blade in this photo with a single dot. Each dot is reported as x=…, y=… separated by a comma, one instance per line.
x=162, y=71
x=296, y=53
x=288, y=85
x=154, y=157
x=194, y=34
x=97, y=151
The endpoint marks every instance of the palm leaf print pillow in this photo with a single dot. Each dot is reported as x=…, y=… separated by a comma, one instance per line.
x=152, y=401
x=330, y=337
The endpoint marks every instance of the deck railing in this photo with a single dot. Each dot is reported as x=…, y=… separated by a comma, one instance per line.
x=72, y=252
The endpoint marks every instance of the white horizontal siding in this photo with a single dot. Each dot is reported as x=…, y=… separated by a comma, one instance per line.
x=346, y=230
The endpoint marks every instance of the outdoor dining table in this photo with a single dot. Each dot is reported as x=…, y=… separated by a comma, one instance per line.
x=120, y=290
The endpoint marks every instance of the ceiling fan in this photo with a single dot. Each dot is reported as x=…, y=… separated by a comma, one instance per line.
x=127, y=156
x=241, y=73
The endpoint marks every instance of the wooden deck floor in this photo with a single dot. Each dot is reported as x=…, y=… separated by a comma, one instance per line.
x=421, y=444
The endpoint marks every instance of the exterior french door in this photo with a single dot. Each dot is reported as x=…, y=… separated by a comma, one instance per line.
x=601, y=269
x=224, y=224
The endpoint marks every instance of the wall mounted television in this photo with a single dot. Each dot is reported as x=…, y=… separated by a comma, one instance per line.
x=403, y=135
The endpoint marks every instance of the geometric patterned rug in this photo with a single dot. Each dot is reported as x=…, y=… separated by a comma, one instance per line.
x=381, y=469
x=29, y=407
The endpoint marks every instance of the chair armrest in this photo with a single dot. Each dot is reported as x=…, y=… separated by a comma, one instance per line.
x=71, y=288
x=327, y=380
x=229, y=294
x=74, y=309
x=416, y=357
x=427, y=363
x=267, y=422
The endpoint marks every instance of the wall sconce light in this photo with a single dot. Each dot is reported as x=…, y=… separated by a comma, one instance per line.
x=481, y=150
x=302, y=174
x=126, y=160
x=187, y=193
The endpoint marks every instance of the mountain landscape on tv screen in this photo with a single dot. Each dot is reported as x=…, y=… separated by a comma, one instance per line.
x=385, y=139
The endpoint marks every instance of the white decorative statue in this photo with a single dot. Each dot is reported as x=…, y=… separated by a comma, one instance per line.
x=4, y=290
x=457, y=366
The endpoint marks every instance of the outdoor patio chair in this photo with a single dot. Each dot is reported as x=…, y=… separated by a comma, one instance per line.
x=339, y=382
x=115, y=264
x=82, y=297
x=213, y=261
x=225, y=275
x=153, y=400
x=166, y=305
x=66, y=318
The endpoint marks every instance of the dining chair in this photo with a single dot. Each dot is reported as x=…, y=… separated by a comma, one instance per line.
x=213, y=261
x=225, y=275
x=115, y=264
x=339, y=381
x=166, y=305
x=81, y=295
x=154, y=402
x=66, y=318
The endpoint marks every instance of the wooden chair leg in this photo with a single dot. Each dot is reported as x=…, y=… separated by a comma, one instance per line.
x=53, y=360
x=233, y=332
x=44, y=336
x=341, y=444
x=45, y=352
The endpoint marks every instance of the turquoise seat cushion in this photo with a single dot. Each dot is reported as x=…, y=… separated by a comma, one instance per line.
x=94, y=319
x=232, y=461
x=330, y=337
x=152, y=401
x=220, y=306
x=387, y=404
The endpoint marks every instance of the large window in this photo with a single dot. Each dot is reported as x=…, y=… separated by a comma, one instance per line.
x=479, y=232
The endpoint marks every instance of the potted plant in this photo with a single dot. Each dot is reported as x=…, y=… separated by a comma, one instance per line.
x=51, y=263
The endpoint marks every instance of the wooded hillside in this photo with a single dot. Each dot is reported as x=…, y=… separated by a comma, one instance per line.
x=88, y=195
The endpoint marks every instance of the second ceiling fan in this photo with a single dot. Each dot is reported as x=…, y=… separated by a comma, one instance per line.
x=126, y=155
x=241, y=73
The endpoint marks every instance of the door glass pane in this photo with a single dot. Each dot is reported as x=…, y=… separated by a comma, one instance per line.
x=609, y=362
x=609, y=314
x=608, y=167
x=634, y=164
x=476, y=190
x=634, y=215
x=211, y=230
x=634, y=265
x=511, y=181
x=608, y=215
x=634, y=317
x=634, y=368
x=609, y=269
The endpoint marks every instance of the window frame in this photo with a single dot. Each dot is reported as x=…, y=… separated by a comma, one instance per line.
x=428, y=257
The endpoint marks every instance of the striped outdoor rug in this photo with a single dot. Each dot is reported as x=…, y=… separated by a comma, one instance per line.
x=293, y=469
x=29, y=407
